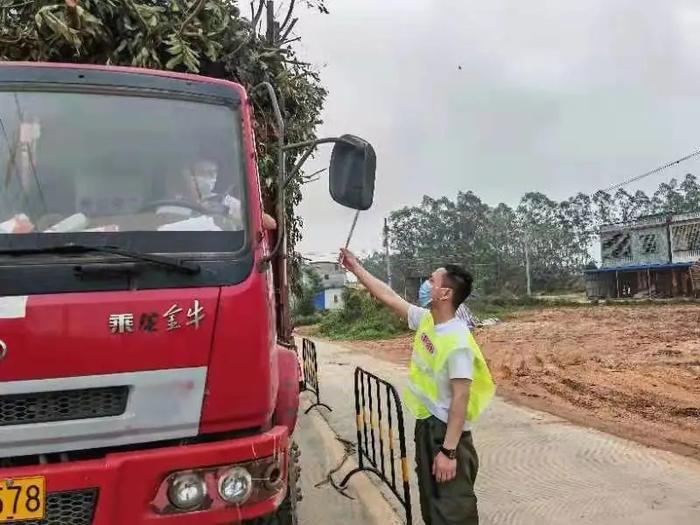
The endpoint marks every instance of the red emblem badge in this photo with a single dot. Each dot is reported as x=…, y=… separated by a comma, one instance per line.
x=427, y=343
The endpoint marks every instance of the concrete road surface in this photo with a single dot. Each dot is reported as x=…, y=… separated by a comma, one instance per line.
x=537, y=469
x=321, y=452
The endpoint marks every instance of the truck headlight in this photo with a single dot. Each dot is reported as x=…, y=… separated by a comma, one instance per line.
x=211, y=488
x=187, y=491
x=235, y=485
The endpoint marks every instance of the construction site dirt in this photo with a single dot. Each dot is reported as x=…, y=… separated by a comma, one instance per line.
x=633, y=371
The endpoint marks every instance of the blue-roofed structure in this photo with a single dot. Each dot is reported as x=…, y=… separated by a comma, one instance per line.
x=655, y=256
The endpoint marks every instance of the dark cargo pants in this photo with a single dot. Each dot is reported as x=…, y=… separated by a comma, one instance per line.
x=453, y=502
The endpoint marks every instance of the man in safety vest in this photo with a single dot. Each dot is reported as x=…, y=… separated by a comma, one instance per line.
x=449, y=386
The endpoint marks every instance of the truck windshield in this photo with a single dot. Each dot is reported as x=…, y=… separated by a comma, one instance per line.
x=74, y=163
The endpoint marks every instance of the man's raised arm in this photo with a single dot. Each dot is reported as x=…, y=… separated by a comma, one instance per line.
x=380, y=290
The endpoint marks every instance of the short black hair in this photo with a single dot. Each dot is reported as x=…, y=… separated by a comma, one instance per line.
x=460, y=281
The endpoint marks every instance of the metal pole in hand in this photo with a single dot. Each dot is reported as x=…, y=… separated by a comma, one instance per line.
x=352, y=229
x=387, y=256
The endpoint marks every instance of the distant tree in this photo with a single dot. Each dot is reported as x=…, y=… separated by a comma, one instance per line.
x=667, y=198
x=624, y=207
x=690, y=189
x=578, y=211
x=555, y=253
x=375, y=263
x=642, y=203
x=310, y=285
x=491, y=240
x=604, y=208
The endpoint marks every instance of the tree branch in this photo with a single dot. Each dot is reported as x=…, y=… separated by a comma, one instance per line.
x=271, y=33
x=297, y=62
x=72, y=13
x=131, y=7
x=13, y=41
x=316, y=175
x=284, y=43
x=289, y=30
x=287, y=18
x=256, y=15
x=192, y=15
x=18, y=5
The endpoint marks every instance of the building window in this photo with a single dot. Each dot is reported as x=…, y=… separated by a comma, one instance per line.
x=686, y=237
x=325, y=277
x=617, y=246
x=649, y=244
x=335, y=299
x=694, y=238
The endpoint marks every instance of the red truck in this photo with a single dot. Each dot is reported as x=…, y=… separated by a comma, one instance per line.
x=148, y=373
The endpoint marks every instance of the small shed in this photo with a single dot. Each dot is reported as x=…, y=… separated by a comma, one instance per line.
x=329, y=299
x=640, y=281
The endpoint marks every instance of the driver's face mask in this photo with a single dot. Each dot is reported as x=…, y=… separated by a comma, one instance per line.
x=205, y=176
x=205, y=185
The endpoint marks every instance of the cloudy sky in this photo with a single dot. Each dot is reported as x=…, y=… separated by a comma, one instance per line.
x=501, y=97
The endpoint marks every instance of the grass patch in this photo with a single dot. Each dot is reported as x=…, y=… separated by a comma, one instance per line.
x=505, y=308
x=364, y=319
x=361, y=319
x=308, y=320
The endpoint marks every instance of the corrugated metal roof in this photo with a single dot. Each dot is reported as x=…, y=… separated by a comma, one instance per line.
x=640, y=267
x=648, y=221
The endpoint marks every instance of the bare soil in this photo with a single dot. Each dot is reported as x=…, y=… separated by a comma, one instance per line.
x=633, y=371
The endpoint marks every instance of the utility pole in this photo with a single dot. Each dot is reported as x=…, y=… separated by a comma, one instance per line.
x=527, y=265
x=387, y=258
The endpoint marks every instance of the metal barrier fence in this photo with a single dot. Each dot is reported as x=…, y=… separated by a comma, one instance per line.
x=310, y=383
x=379, y=422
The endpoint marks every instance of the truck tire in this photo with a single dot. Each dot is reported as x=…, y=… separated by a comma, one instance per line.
x=286, y=513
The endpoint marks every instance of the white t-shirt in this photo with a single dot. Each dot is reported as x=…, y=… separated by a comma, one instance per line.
x=460, y=365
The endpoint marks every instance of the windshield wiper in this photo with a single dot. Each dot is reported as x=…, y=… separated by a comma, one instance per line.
x=76, y=249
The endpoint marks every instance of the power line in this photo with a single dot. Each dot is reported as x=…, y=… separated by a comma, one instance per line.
x=649, y=173
x=605, y=190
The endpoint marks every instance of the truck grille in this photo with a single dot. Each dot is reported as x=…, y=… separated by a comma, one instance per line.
x=47, y=407
x=67, y=508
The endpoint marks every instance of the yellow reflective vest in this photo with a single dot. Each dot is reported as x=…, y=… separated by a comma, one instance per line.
x=431, y=352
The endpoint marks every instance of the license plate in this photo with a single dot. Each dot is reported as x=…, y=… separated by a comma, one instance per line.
x=22, y=499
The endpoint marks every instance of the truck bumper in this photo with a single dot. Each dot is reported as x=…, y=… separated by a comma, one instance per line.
x=125, y=485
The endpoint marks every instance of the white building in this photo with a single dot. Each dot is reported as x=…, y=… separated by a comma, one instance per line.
x=332, y=274
x=329, y=299
x=333, y=280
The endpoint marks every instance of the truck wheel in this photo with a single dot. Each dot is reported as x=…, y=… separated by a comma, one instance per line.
x=286, y=513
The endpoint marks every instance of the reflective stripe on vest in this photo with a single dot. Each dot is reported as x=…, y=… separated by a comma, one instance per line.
x=430, y=354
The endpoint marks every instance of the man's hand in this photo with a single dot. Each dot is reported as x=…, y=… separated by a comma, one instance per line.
x=444, y=468
x=349, y=261
x=380, y=290
x=268, y=222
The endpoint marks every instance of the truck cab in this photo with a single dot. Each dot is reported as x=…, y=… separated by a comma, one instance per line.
x=143, y=375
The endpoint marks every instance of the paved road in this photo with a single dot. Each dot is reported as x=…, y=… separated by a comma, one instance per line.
x=320, y=453
x=537, y=468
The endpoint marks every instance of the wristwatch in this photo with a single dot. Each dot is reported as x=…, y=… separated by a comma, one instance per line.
x=450, y=453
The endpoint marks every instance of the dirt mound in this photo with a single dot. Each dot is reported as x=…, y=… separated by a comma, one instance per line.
x=629, y=370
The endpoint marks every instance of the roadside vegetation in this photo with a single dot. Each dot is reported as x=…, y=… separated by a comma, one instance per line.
x=508, y=307
x=304, y=311
x=361, y=318
x=244, y=42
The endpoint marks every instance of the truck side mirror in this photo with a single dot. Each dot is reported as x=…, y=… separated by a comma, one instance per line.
x=353, y=166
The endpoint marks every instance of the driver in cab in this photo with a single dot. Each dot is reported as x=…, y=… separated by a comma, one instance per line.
x=199, y=187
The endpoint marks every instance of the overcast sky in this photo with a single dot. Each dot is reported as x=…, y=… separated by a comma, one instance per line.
x=552, y=95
